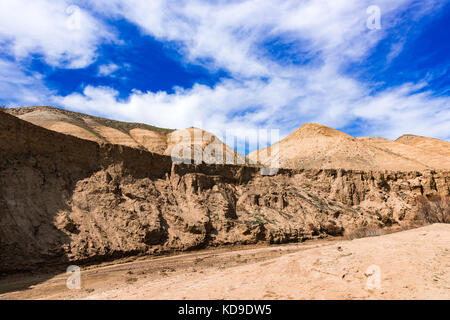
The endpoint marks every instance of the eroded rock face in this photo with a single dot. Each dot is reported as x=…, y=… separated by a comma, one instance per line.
x=63, y=199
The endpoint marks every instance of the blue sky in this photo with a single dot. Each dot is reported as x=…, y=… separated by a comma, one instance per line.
x=140, y=63
x=234, y=65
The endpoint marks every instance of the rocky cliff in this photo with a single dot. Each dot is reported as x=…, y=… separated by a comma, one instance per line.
x=64, y=199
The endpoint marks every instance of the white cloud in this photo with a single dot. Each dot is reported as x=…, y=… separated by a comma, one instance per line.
x=107, y=69
x=263, y=92
x=65, y=35
x=230, y=33
x=278, y=104
x=402, y=110
x=20, y=88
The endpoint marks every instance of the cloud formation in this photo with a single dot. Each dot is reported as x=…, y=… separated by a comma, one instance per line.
x=19, y=87
x=64, y=34
x=107, y=69
x=304, y=80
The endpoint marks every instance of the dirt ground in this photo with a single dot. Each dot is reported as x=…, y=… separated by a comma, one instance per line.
x=413, y=264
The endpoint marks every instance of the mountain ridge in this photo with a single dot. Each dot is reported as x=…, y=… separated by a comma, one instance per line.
x=312, y=145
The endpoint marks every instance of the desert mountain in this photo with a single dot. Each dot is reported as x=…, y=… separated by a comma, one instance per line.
x=427, y=157
x=311, y=146
x=96, y=129
x=428, y=145
x=320, y=147
x=135, y=135
x=202, y=145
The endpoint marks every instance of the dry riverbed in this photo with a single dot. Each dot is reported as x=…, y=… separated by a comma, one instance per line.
x=413, y=264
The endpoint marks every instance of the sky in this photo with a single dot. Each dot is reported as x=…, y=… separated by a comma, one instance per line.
x=368, y=68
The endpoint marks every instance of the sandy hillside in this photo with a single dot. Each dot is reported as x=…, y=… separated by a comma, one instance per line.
x=151, y=140
x=318, y=146
x=203, y=145
x=425, y=157
x=429, y=145
x=92, y=128
x=312, y=146
x=60, y=123
x=135, y=135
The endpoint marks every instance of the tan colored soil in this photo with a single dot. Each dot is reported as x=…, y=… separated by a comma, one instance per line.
x=428, y=145
x=429, y=159
x=160, y=141
x=65, y=200
x=112, y=135
x=312, y=146
x=73, y=130
x=413, y=264
x=151, y=140
x=203, y=145
x=59, y=123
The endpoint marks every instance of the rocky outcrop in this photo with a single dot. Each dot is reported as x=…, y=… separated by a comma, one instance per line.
x=64, y=199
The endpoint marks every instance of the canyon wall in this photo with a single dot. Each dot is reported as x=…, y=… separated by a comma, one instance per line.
x=68, y=200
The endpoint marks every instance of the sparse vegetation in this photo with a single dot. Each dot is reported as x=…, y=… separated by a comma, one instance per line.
x=2, y=108
x=434, y=209
x=78, y=119
x=333, y=229
x=258, y=220
x=364, y=233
